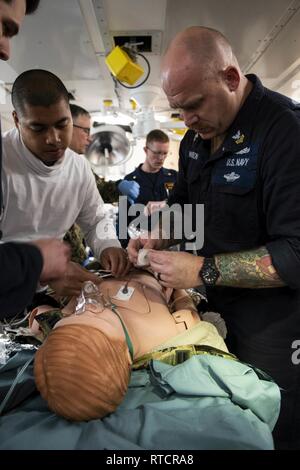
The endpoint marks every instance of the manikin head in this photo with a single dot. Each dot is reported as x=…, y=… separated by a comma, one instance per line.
x=83, y=368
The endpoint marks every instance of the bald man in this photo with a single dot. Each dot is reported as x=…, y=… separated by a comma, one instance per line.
x=240, y=159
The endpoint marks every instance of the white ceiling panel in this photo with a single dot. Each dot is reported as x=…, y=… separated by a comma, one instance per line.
x=283, y=51
x=66, y=37
x=243, y=22
x=136, y=14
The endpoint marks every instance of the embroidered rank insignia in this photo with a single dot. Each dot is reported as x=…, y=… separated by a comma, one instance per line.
x=238, y=137
x=240, y=140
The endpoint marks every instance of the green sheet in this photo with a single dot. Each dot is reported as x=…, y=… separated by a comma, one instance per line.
x=207, y=402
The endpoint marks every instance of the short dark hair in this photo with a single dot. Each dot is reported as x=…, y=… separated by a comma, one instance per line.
x=31, y=5
x=37, y=88
x=158, y=136
x=77, y=111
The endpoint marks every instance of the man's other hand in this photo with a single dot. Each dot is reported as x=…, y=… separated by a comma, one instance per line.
x=115, y=260
x=72, y=281
x=131, y=189
x=56, y=255
x=154, y=206
x=136, y=244
x=176, y=269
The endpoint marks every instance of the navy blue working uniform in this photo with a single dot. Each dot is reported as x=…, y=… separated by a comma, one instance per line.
x=21, y=266
x=250, y=189
x=153, y=186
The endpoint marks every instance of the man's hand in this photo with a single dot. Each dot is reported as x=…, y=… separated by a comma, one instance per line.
x=176, y=269
x=154, y=206
x=115, y=260
x=135, y=245
x=131, y=189
x=56, y=255
x=72, y=281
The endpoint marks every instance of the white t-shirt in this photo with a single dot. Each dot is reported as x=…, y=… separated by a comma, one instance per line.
x=41, y=201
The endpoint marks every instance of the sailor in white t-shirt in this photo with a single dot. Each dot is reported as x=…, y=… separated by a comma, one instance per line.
x=47, y=187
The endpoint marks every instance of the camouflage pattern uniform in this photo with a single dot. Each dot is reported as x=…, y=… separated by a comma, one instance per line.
x=107, y=189
x=75, y=239
x=110, y=194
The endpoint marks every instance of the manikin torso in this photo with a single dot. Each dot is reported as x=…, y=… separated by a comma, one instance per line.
x=145, y=312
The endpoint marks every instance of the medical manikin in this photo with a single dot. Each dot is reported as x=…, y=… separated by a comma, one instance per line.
x=83, y=367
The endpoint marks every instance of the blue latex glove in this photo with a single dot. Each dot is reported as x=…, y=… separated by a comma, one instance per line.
x=131, y=189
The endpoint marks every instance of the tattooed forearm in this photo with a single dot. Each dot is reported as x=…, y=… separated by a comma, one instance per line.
x=250, y=269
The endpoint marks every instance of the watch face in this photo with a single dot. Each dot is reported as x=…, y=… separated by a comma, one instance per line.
x=209, y=273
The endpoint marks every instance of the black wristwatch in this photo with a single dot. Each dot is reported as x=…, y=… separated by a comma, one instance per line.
x=209, y=272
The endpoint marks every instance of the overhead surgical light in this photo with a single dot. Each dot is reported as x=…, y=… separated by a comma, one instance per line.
x=110, y=147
